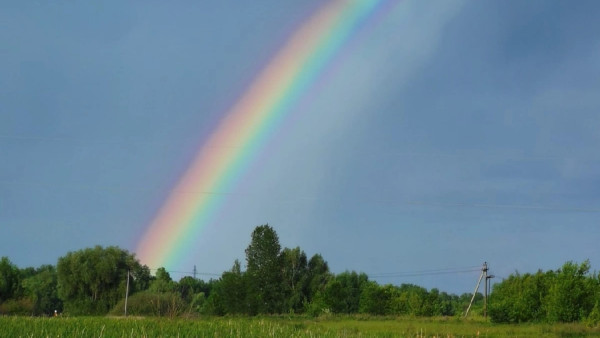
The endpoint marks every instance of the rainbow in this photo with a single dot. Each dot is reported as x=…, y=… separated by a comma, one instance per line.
x=246, y=127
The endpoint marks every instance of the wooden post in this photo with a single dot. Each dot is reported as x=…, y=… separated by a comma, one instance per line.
x=476, y=288
x=126, y=293
x=485, y=289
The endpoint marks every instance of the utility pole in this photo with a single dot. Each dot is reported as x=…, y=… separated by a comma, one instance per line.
x=126, y=293
x=485, y=289
x=488, y=287
x=484, y=270
x=195, y=271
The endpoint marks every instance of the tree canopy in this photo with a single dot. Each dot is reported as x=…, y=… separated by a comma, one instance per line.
x=92, y=281
x=566, y=295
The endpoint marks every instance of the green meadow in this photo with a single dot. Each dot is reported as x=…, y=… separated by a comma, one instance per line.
x=280, y=326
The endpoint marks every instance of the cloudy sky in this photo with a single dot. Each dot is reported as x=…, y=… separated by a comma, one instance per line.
x=445, y=134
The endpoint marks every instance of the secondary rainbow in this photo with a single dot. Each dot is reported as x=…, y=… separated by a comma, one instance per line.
x=246, y=127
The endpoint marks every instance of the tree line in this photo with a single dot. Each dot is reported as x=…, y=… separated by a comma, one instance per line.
x=568, y=294
x=277, y=280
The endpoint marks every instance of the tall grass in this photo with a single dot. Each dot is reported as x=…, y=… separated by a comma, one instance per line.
x=278, y=326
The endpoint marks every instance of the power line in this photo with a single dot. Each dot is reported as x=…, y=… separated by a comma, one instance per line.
x=428, y=270
x=442, y=271
x=83, y=141
x=190, y=273
x=478, y=154
x=503, y=206
x=424, y=273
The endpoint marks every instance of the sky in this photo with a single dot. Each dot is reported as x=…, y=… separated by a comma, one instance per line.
x=443, y=134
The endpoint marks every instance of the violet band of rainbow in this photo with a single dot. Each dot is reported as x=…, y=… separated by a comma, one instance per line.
x=246, y=127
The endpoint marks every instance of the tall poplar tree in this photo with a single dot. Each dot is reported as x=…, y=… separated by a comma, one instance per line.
x=264, y=272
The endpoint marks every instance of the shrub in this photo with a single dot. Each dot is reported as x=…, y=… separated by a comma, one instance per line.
x=147, y=303
x=23, y=307
x=593, y=319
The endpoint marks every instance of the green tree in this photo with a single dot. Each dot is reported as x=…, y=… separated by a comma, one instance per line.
x=518, y=299
x=233, y=290
x=317, y=277
x=416, y=300
x=42, y=289
x=214, y=302
x=9, y=280
x=189, y=286
x=430, y=303
x=375, y=299
x=570, y=297
x=92, y=280
x=264, y=272
x=342, y=294
x=295, y=267
x=162, y=282
x=140, y=277
x=399, y=302
x=567, y=295
x=211, y=304
x=409, y=299
x=335, y=296
x=446, y=305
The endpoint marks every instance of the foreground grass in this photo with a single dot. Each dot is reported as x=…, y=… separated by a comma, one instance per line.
x=451, y=327
x=279, y=327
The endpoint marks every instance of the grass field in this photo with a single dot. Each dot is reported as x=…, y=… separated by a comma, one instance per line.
x=279, y=327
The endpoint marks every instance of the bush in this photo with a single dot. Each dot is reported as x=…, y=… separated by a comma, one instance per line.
x=198, y=301
x=317, y=306
x=593, y=319
x=23, y=307
x=567, y=295
x=147, y=303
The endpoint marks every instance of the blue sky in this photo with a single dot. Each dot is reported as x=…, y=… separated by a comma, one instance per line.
x=450, y=133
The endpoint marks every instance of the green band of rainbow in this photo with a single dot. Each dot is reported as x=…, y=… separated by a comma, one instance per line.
x=246, y=128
